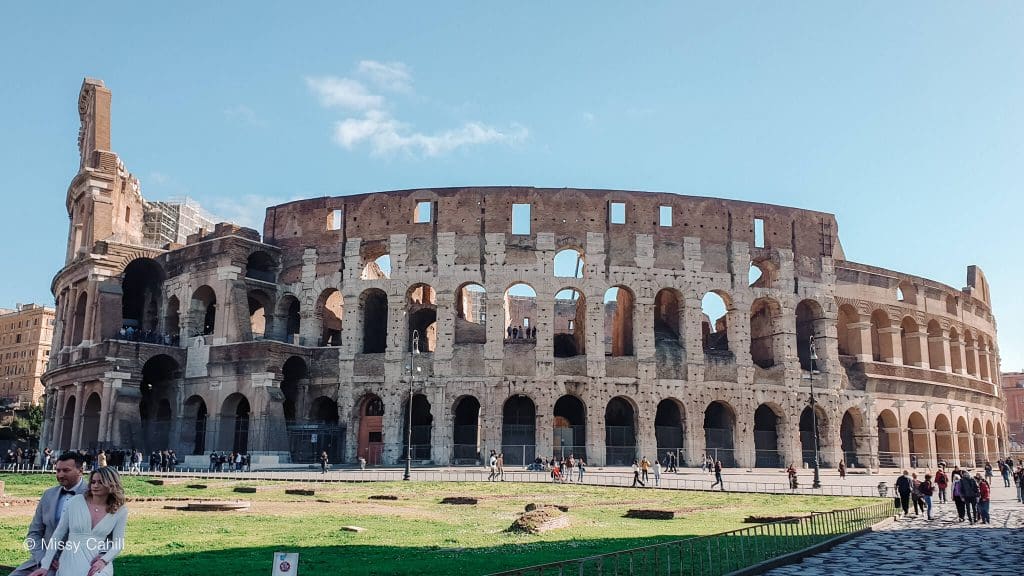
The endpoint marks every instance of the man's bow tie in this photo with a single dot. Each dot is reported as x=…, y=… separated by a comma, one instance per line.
x=64, y=491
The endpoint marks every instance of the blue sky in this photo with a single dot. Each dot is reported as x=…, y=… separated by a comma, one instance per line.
x=903, y=119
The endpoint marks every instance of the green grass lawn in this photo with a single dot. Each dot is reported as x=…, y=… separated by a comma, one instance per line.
x=413, y=535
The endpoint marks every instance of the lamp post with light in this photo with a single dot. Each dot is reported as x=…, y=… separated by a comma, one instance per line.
x=412, y=384
x=814, y=416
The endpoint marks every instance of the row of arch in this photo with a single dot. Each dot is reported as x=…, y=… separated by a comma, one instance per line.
x=968, y=446
x=911, y=344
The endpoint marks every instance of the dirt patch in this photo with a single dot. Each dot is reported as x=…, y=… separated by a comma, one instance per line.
x=383, y=497
x=299, y=492
x=534, y=506
x=643, y=514
x=459, y=500
x=540, y=520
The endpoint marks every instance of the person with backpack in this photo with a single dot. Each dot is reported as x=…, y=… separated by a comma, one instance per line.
x=915, y=494
x=969, y=490
x=958, y=498
x=926, y=489
x=904, y=488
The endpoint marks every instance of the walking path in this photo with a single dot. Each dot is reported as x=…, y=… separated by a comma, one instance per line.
x=943, y=545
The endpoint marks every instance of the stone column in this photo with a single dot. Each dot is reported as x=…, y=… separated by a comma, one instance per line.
x=595, y=335
x=76, y=421
x=889, y=339
x=545, y=421
x=859, y=337
x=441, y=438
x=942, y=344
x=956, y=350
x=919, y=340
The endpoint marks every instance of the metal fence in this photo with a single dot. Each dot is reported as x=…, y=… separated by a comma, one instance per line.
x=719, y=554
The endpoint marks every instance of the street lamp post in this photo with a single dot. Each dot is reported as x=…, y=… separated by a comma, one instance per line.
x=814, y=417
x=412, y=384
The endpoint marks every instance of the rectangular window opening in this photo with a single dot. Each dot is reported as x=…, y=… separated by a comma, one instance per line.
x=334, y=220
x=665, y=216
x=526, y=322
x=758, y=233
x=520, y=218
x=572, y=325
x=422, y=214
x=617, y=213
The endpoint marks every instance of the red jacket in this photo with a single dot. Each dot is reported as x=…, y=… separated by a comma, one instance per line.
x=984, y=490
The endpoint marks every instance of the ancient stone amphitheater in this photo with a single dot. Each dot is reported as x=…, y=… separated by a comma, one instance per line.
x=536, y=322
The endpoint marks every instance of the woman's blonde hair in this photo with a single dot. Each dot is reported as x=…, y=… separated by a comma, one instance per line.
x=110, y=479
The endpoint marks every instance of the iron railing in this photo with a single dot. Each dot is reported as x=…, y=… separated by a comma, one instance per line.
x=719, y=554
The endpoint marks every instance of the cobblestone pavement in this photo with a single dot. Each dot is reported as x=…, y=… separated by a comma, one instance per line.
x=940, y=546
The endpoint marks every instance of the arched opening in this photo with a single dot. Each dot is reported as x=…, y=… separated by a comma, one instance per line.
x=466, y=431
x=569, y=434
x=670, y=429
x=993, y=447
x=765, y=332
x=141, y=291
x=955, y=351
x=715, y=324
x=261, y=266
x=293, y=373
x=172, y=322
x=910, y=337
x=809, y=444
x=518, y=430
x=471, y=315
x=810, y=323
x=852, y=444
x=261, y=320
x=91, y=422
x=570, y=324
x=288, y=310
x=906, y=293
x=203, y=311
x=323, y=433
x=377, y=269
x=330, y=309
x=762, y=274
x=970, y=354
x=667, y=317
x=889, y=455
x=193, y=429
x=848, y=339
x=719, y=432
x=234, y=418
x=963, y=439
x=422, y=423
x=374, y=303
x=766, y=437
x=936, y=348
x=521, y=313
x=421, y=304
x=371, y=429
x=881, y=337
x=67, y=424
x=161, y=375
x=943, y=439
x=917, y=440
x=619, y=432
x=79, y=326
x=568, y=263
x=618, y=321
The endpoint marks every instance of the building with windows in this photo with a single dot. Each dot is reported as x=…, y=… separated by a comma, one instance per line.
x=681, y=324
x=173, y=221
x=25, y=335
x=1013, y=392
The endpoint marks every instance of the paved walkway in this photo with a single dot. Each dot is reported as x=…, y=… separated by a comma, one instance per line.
x=942, y=546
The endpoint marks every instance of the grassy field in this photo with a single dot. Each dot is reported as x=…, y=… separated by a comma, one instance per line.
x=413, y=535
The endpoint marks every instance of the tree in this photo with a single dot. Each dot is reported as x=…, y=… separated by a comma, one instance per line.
x=28, y=427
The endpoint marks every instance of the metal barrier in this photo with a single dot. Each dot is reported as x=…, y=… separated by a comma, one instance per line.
x=718, y=554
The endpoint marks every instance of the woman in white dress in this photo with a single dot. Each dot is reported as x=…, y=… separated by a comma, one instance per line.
x=90, y=533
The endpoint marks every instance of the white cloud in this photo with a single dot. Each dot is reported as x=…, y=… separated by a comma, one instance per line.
x=393, y=76
x=377, y=127
x=343, y=93
x=386, y=135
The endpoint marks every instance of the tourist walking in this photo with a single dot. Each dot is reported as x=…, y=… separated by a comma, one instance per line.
x=1004, y=470
x=988, y=472
x=492, y=465
x=791, y=474
x=915, y=494
x=904, y=488
x=926, y=489
x=842, y=470
x=323, y=462
x=636, y=475
x=580, y=468
x=984, y=501
x=969, y=491
x=941, y=482
x=718, y=476
x=570, y=463
x=500, y=463
x=657, y=473
x=958, y=497
x=644, y=467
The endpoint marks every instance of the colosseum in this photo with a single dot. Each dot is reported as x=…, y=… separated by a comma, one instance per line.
x=604, y=323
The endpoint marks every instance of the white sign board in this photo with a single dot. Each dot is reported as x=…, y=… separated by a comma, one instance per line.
x=286, y=564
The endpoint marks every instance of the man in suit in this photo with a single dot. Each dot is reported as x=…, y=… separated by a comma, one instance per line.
x=50, y=507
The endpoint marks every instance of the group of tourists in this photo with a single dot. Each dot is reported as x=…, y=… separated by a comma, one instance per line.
x=132, y=334
x=971, y=493
x=520, y=333
x=562, y=469
x=231, y=461
x=642, y=469
x=496, y=466
x=19, y=459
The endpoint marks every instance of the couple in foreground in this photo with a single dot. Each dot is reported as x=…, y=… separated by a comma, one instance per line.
x=78, y=527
